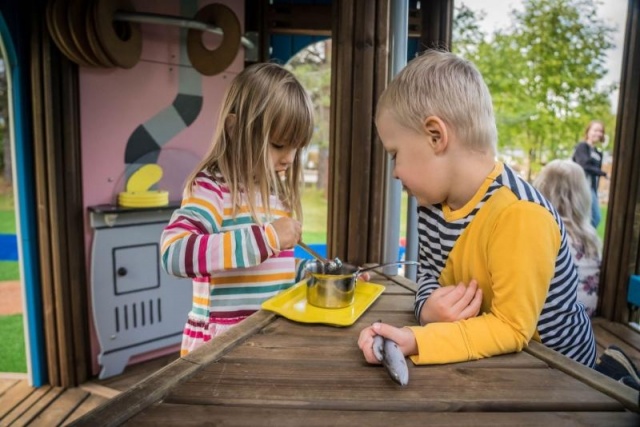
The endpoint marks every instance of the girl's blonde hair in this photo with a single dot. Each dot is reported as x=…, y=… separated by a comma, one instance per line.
x=441, y=84
x=265, y=104
x=564, y=184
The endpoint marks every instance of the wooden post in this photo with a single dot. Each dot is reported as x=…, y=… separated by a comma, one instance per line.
x=359, y=73
x=57, y=157
x=621, y=247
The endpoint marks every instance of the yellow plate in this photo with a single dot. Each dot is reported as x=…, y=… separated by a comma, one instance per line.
x=293, y=305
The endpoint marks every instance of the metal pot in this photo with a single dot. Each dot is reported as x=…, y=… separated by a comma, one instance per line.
x=337, y=289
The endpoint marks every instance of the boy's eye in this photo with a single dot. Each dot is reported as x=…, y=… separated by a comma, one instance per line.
x=277, y=146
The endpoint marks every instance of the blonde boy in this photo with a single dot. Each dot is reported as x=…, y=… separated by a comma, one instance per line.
x=495, y=268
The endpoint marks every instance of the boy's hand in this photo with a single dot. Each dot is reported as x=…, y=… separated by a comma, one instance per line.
x=402, y=336
x=289, y=232
x=451, y=303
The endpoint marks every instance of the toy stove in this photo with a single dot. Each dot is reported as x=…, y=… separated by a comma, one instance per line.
x=137, y=307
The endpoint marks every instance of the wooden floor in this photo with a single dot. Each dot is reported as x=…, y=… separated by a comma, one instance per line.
x=22, y=405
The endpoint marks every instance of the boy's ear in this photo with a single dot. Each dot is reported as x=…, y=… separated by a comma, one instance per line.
x=436, y=131
x=230, y=124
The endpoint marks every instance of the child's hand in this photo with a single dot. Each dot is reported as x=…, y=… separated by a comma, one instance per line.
x=289, y=232
x=364, y=277
x=402, y=336
x=451, y=303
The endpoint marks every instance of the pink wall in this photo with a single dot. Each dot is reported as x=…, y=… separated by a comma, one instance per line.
x=114, y=102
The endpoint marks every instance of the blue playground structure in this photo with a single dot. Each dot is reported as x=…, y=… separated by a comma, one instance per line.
x=8, y=247
x=321, y=248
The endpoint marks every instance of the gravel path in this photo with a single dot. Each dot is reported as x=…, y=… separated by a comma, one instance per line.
x=10, y=298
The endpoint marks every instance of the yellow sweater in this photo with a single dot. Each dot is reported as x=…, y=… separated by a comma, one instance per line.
x=511, y=240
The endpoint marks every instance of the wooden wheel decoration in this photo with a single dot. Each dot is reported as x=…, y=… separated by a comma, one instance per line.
x=210, y=62
x=84, y=31
x=123, y=47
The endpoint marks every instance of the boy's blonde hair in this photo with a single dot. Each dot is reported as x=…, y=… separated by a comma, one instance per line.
x=264, y=104
x=564, y=184
x=441, y=84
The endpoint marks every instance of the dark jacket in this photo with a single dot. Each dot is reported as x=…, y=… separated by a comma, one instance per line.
x=590, y=158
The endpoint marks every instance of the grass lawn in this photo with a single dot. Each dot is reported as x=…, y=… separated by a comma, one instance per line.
x=9, y=270
x=7, y=222
x=314, y=210
x=12, y=351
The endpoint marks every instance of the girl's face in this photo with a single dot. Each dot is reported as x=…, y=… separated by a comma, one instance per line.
x=282, y=156
x=415, y=163
x=595, y=133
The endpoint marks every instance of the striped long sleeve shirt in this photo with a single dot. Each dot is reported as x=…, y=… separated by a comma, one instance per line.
x=235, y=263
x=512, y=241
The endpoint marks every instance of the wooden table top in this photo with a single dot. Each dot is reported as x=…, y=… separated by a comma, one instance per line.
x=272, y=371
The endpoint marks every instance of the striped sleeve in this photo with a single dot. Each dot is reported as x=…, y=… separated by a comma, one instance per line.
x=426, y=285
x=195, y=245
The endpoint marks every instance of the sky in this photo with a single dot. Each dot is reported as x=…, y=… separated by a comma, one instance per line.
x=613, y=12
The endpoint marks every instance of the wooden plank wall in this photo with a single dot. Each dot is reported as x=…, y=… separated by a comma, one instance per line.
x=360, y=65
x=436, y=20
x=59, y=208
x=621, y=256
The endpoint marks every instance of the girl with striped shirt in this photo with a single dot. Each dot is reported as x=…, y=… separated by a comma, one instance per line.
x=240, y=216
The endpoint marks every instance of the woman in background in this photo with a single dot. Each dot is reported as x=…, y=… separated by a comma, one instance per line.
x=587, y=155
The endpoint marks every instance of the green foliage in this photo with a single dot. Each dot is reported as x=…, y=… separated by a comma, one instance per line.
x=312, y=66
x=12, y=351
x=544, y=73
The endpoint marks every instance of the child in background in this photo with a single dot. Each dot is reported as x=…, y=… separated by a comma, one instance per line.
x=495, y=267
x=239, y=219
x=562, y=183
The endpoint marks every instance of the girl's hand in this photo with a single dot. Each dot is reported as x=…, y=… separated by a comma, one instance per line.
x=289, y=232
x=451, y=303
x=402, y=336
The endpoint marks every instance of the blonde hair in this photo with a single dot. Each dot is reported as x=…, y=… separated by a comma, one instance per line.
x=563, y=183
x=442, y=84
x=264, y=104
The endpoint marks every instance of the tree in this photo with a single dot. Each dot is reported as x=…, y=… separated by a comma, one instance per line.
x=545, y=73
x=312, y=66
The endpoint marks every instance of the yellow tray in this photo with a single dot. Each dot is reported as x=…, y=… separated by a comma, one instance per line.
x=293, y=305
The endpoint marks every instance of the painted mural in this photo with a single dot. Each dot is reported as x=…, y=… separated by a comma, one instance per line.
x=144, y=128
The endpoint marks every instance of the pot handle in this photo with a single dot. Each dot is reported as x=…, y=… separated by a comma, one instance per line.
x=362, y=270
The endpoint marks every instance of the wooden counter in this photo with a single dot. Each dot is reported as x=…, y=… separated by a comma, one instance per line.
x=272, y=371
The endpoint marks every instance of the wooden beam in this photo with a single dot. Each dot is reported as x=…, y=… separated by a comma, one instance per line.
x=307, y=19
x=436, y=18
x=359, y=73
x=59, y=209
x=621, y=246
